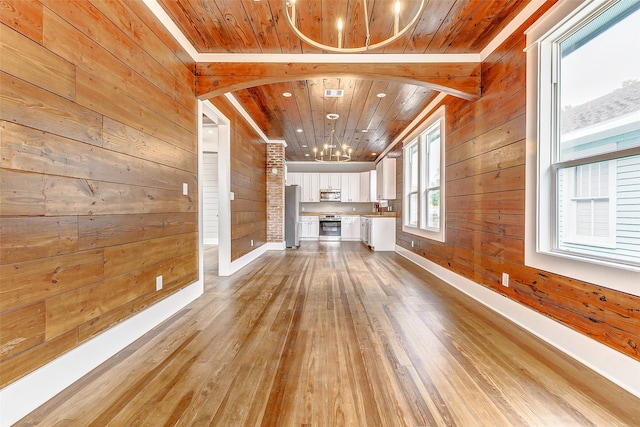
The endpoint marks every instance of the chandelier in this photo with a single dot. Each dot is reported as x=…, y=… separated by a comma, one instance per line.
x=333, y=150
x=290, y=13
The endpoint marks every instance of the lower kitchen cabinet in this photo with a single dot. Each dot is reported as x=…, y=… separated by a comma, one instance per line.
x=382, y=233
x=350, y=228
x=309, y=227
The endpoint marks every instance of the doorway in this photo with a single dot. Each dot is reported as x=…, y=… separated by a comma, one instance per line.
x=213, y=177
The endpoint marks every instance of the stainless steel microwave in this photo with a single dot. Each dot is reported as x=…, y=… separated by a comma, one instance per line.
x=329, y=195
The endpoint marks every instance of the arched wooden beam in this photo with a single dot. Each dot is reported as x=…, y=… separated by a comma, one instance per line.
x=460, y=79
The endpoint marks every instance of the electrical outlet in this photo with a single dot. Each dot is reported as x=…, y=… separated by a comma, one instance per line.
x=185, y=188
x=158, y=283
x=505, y=280
x=251, y=242
x=412, y=243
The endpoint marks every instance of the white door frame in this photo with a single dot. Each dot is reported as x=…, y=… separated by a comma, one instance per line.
x=224, y=185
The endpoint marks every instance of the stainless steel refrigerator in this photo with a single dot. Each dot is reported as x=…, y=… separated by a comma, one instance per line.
x=292, y=216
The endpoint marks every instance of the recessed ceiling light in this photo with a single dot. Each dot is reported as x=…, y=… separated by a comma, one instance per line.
x=306, y=154
x=304, y=146
x=381, y=95
x=373, y=154
x=299, y=130
x=287, y=94
x=333, y=116
x=364, y=130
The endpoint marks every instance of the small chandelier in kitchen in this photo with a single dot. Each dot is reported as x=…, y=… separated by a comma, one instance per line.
x=290, y=13
x=333, y=150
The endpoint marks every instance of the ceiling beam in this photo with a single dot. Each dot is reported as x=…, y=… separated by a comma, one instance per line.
x=460, y=79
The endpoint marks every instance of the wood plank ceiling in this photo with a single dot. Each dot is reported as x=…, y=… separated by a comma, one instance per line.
x=368, y=122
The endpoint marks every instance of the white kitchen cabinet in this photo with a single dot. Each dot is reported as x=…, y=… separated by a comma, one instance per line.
x=368, y=186
x=350, y=228
x=294, y=178
x=330, y=180
x=382, y=233
x=309, y=227
x=386, y=179
x=350, y=187
x=310, y=188
x=309, y=185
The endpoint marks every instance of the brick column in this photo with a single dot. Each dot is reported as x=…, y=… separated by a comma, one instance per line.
x=275, y=191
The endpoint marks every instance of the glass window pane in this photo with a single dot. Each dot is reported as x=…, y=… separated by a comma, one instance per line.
x=413, y=161
x=434, y=159
x=599, y=85
x=602, y=220
x=433, y=208
x=413, y=209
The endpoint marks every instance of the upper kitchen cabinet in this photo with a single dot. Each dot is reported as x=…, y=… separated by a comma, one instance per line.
x=350, y=187
x=309, y=183
x=294, y=178
x=330, y=181
x=386, y=179
x=368, y=188
x=310, y=187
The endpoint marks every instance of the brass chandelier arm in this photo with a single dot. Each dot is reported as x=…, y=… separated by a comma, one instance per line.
x=328, y=154
x=289, y=9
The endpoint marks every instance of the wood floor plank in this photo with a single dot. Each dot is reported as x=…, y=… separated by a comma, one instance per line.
x=333, y=334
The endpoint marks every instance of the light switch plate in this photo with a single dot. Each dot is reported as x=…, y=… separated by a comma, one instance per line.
x=185, y=188
x=158, y=283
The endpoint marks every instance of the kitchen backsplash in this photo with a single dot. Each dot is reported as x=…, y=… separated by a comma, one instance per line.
x=338, y=207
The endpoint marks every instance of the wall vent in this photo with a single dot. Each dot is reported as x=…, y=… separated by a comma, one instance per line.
x=333, y=93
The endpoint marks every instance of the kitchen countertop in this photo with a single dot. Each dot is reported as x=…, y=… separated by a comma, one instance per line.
x=368, y=214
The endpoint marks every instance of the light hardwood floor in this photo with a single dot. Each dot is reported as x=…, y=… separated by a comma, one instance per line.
x=330, y=335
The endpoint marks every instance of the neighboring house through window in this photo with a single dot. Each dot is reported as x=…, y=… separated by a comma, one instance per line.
x=587, y=128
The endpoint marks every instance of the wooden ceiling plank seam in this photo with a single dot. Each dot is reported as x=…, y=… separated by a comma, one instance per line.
x=452, y=19
x=238, y=24
x=427, y=27
x=470, y=26
x=510, y=9
x=180, y=17
x=287, y=41
x=259, y=14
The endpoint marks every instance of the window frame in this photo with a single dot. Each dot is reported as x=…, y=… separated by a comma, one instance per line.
x=419, y=138
x=540, y=204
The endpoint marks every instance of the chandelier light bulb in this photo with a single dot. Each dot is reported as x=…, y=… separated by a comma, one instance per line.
x=396, y=18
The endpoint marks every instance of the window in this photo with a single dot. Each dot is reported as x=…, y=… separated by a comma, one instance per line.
x=423, y=175
x=585, y=77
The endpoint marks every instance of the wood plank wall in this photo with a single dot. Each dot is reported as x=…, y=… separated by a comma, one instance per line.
x=485, y=208
x=248, y=183
x=99, y=133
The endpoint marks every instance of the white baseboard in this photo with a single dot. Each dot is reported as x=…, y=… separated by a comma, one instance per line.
x=26, y=394
x=611, y=364
x=247, y=259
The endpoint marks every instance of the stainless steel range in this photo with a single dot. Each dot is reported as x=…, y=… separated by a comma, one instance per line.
x=330, y=227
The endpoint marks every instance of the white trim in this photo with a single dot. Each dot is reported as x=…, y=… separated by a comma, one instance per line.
x=410, y=131
x=224, y=185
x=24, y=395
x=247, y=259
x=617, y=278
x=211, y=241
x=246, y=116
x=511, y=27
x=340, y=58
x=417, y=135
x=611, y=364
x=162, y=16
